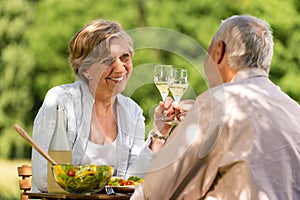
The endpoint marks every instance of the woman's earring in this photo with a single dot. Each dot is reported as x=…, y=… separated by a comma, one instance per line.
x=89, y=77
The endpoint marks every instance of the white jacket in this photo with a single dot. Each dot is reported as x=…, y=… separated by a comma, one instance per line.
x=134, y=154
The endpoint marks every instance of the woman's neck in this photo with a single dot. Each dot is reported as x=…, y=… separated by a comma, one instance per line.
x=102, y=97
x=104, y=102
x=103, y=107
x=104, y=127
x=104, y=124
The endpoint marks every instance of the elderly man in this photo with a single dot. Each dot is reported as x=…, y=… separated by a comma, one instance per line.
x=241, y=139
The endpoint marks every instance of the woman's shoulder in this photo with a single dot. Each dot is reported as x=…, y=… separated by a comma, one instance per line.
x=64, y=91
x=65, y=88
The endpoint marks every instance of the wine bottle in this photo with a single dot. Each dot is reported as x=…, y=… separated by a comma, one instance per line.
x=59, y=149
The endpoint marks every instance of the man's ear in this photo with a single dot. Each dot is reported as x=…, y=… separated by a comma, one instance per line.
x=220, y=52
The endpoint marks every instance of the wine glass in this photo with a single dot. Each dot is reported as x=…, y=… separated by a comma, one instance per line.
x=161, y=80
x=177, y=85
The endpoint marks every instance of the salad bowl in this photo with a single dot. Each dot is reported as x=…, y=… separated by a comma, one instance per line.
x=82, y=178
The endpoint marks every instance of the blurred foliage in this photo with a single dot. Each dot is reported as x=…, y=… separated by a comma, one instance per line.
x=34, y=37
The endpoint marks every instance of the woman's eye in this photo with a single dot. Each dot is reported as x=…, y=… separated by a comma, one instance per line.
x=125, y=57
x=108, y=61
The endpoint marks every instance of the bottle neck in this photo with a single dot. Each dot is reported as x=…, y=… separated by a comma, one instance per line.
x=60, y=120
x=60, y=139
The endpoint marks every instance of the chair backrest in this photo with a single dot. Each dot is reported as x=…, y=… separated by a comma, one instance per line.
x=25, y=173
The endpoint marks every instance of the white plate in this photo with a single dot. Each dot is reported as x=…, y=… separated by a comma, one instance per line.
x=123, y=189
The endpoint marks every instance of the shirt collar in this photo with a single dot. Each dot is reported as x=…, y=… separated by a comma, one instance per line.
x=86, y=92
x=248, y=73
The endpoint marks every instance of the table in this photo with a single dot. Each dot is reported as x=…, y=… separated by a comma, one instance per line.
x=51, y=196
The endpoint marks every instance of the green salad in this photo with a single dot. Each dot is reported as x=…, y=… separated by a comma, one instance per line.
x=82, y=178
x=131, y=181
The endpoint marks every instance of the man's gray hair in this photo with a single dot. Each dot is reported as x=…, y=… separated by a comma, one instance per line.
x=249, y=42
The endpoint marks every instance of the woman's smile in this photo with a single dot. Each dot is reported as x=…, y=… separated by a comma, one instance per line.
x=117, y=79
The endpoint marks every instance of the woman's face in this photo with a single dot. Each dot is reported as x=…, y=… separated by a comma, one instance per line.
x=112, y=73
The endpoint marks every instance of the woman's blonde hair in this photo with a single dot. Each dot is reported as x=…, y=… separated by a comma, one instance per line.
x=91, y=44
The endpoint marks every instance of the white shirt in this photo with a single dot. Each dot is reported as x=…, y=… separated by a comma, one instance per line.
x=99, y=154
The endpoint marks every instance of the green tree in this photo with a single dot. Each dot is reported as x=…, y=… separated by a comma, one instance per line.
x=34, y=39
x=16, y=66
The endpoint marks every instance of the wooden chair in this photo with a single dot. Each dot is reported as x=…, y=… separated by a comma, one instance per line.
x=25, y=172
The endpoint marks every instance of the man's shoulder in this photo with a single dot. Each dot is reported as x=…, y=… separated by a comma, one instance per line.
x=230, y=91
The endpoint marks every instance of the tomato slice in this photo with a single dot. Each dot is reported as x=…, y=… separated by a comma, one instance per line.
x=71, y=172
x=129, y=182
x=121, y=182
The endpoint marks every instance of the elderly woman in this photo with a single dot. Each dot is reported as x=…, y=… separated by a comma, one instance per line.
x=103, y=126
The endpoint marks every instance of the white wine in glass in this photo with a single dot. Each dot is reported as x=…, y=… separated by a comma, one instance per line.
x=178, y=90
x=163, y=88
x=178, y=85
x=161, y=80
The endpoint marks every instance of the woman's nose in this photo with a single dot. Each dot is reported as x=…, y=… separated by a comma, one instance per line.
x=119, y=66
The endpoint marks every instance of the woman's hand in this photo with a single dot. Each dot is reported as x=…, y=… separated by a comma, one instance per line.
x=182, y=108
x=160, y=132
x=163, y=113
x=161, y=129
x=169, y=110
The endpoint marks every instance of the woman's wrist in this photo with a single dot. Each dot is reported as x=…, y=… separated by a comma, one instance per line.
x=157, y=141
x=159, y=136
